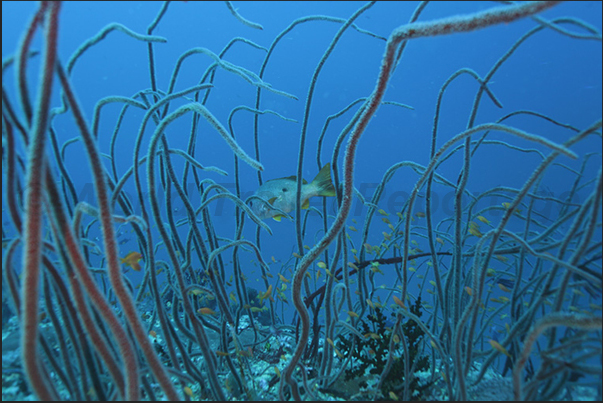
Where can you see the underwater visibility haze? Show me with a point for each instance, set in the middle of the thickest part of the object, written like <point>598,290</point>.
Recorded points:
<point>301,200</point>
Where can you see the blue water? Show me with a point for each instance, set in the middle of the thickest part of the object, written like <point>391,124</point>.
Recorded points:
<point>550,73</point>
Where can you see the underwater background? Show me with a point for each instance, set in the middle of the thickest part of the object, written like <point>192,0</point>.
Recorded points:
<point>430,290</point>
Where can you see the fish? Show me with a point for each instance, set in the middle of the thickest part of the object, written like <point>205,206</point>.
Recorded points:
<point>498,347</point>
<point>281,194</point>
<point>206,311</point>
<point>507,283</point>
<point>267,294</point>
<point>399,302</point>
<point>483,219</point>
<point>132,260</point>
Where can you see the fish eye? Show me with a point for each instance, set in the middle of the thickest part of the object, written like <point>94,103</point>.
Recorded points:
<point>284,189</point>
<point>251,203</point>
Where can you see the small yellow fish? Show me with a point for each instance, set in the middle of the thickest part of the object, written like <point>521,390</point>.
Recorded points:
<point>444,377</point>
<point>322,265</point>
<point>503,288</point>
<point>281,193</point>
<point>246,353</point>
<point>475,232</point>
<point>283,279</point>
<point>496,345</point>
<point>420,214</point>
<point>353,314</point>
<point>469,291</point>
<point>375,268</point>
<point>351,228</point>
<point>206,311</point>
<point>132,260</point>
<point>382,212</point>
<point>188,391</point>
<point>353,266</point>
<point>399,302</point>
<point>440,241</point>
<point>267,294</point>
<point>483,219</point>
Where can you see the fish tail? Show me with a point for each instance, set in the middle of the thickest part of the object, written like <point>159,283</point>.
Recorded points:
<point>323,183</point>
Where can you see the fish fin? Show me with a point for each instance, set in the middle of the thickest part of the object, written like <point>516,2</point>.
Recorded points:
<point>323,183</point>
<point>272,200</point>
<point>291,178</point>
<point>277,217</point>
<point>306,204</point>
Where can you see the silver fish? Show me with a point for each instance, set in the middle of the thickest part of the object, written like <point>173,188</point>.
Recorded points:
<point>280,194</point>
